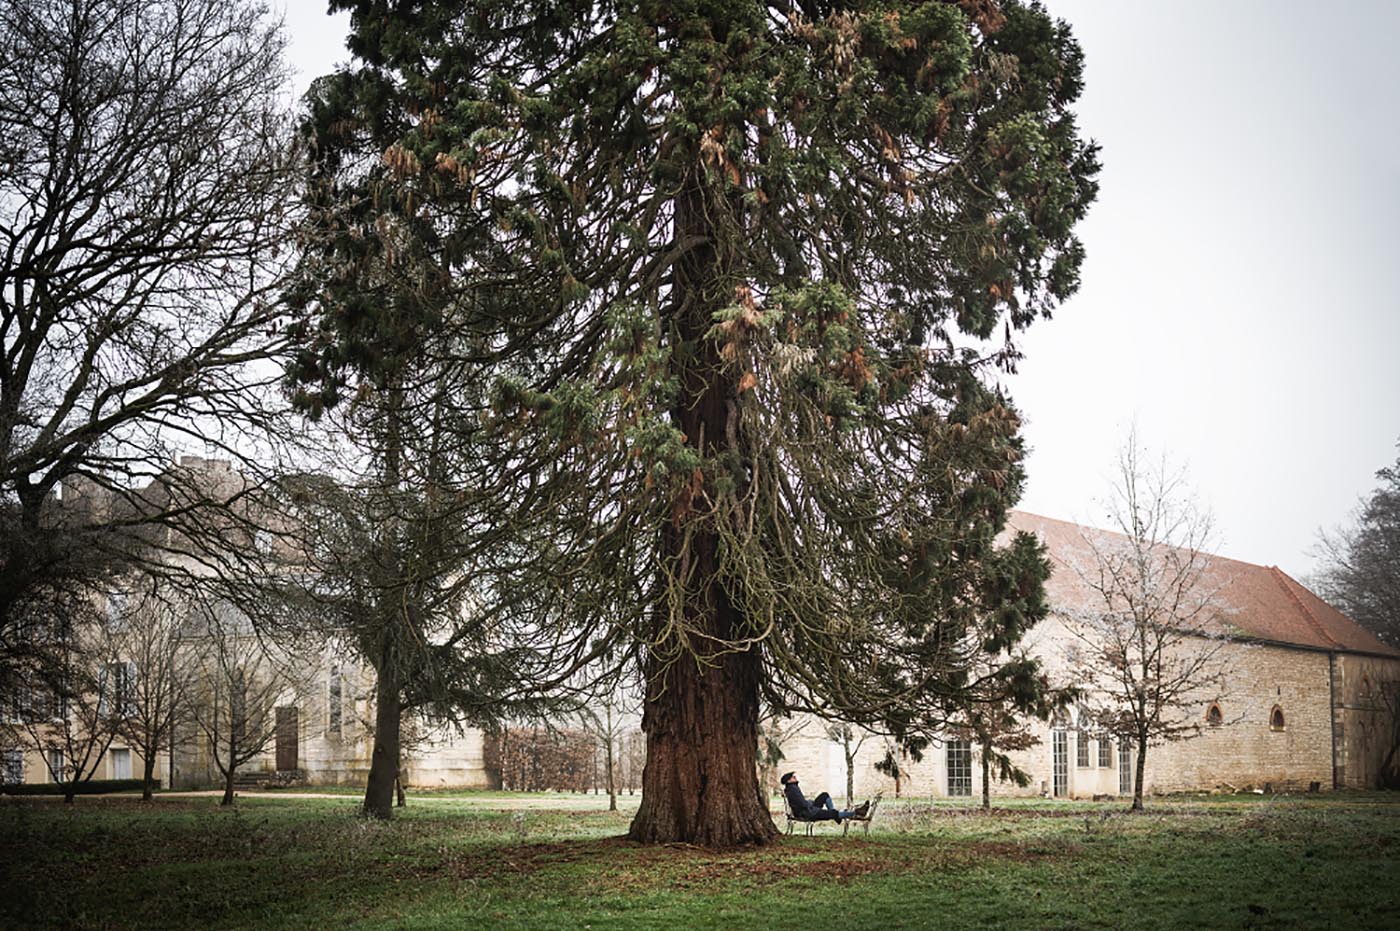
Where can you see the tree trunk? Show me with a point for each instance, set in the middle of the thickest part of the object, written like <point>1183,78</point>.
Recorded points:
<point>700,782</point>
<point>148,778</point>
<point>232,767</point>
<point>1140,770</point>
<point>986,777</point>
<point>384,761</point>
<point>850,768</point>
<point>68,794</point>
<point>388,692</point>
<point>608,762</point>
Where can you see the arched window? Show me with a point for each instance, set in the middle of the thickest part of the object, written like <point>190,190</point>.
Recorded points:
<point>1276,719</point>
<point>1214,716</point>
<point>1059,742</point>
<point>1081,740</point>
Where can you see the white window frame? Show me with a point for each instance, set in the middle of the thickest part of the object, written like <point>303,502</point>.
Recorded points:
<point>958,758</point>
<point>117,768</point>
<point>117,688</point>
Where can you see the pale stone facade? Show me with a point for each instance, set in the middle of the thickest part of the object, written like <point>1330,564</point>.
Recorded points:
<point>333,748</point>
<point>1291,714</point>
<point>1299,706</point>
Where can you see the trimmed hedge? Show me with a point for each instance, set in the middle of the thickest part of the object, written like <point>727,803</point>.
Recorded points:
<point>91,787</point>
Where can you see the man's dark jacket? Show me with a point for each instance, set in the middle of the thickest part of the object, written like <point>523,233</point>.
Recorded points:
<point>801,808</point>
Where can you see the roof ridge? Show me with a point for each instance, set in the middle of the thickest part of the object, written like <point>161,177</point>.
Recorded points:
<point>1213,557</point>
<point>1282,579</point>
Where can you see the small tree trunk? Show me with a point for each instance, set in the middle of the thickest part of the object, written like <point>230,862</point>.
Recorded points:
<point>986,777</point>
<point>232,768</point>
<point>850,769</point>
<point>148,778</point>
<point>69,792</point>
<point>1141,769</point>
<point>608,763</point>
<point>384,761</point>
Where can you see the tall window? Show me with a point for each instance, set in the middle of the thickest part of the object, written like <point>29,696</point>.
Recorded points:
<point>13,772</point>
<point>56,765</point>
<point>333,702</point>
<point>1125,768</point>
<point>1105,752</point>
<point>117,688</point>
<point>118,610</point>
<point>1276,719</point>
<point>121,764</point>
<point>959,767</point>
<point>1081,740</point>
<point>1059,738</point>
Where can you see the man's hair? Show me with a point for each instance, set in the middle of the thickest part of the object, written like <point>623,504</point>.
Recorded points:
<point>787,777</point>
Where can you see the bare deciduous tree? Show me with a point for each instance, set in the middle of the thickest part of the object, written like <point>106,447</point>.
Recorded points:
<point>607,718</point>
<point>1150,649</point>
<point>70,708</point>
<point>1360,562</point>
<point>144,168</point>
<point>1382,697</point>
<point>997,715</point>
<point>851,739</point>
<point>145,632</point>
<point>774,730</point>
<point>240,685</point>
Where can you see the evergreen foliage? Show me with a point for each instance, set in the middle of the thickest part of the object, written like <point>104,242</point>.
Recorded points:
<point>728,276</point>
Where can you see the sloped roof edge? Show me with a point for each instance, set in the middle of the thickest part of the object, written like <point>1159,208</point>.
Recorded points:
<point>1264,602</point>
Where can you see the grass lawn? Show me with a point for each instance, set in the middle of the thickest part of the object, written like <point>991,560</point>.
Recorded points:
<point>497,860</point>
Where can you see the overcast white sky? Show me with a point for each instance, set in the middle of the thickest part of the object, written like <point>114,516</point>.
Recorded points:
<point>1237,299</point>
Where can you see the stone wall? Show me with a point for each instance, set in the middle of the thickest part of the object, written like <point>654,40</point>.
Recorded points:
<point>1363,721</point>
<point>1245,751</point>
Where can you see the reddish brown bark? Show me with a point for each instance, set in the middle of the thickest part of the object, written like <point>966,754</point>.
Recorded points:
<point>700,783</point>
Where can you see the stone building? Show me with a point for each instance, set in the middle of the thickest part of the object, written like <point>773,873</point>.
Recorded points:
<point>321,734</point>
<point>317,718</point>
<point>1299,705</point>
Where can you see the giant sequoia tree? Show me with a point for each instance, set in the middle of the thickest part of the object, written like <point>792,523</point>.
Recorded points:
<point>728,275</point>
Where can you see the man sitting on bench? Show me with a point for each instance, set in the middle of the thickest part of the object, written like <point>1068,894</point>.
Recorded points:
<point>819,808</point>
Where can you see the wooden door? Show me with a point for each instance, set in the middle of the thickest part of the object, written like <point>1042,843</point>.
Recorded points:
<point>287,738</point>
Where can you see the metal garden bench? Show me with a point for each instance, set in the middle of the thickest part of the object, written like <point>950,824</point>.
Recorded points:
<point>793,819</point>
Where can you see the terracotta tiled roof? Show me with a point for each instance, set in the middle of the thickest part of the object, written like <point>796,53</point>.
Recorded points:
<point>1258,602</point>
